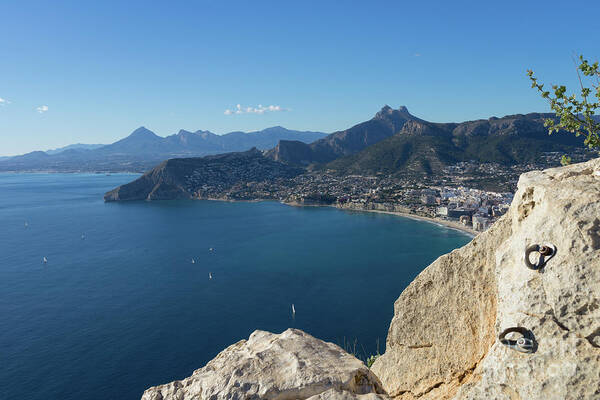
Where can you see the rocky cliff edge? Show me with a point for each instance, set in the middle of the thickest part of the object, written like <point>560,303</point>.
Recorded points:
<point>443,340</point>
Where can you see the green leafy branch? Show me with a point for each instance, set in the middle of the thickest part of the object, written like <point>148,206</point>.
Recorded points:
<point>575,113</point>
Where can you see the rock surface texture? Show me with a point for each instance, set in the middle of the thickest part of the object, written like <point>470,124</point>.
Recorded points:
<point>291,365</point>
<point>443,339</point>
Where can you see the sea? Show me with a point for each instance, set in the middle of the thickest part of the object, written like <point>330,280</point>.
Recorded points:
<point>125,299</point>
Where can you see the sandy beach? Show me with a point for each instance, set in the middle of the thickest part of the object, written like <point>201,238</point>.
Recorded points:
<point>450,224</point>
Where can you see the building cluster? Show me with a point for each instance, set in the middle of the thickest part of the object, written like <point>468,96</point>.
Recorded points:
<point>471,193</point>
<point>473,208</point>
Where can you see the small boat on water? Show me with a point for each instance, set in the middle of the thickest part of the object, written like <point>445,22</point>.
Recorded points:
<point>211,249</point>
<point>193,261</point>
<point>26,224</point>
<point>45,260</point>
<point>210,275</point>
<point>293,309</point>
<point>82,236</point>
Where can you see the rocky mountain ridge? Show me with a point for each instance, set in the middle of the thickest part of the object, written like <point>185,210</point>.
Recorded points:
<point>411,145</point>
<point>395,139</point>
<point>384,124</point>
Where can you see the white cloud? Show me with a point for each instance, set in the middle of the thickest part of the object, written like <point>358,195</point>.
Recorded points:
<point>260,109</point>
<point>42,109</point>
<point>3,101</point>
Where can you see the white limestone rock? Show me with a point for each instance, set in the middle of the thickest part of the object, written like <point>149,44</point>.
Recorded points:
<point>443,338</point>
<point>336,394</point>
<point>291,365</point>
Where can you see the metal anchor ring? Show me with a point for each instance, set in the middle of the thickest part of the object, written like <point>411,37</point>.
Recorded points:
<point>547,251</point>
<point>524,344</point>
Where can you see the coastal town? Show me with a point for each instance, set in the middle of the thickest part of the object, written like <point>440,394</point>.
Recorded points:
<point>467,195</point>
<point>473,209</point>
<point>444,199</point>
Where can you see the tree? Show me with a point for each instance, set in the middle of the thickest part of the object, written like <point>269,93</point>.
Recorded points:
<point>575,113</point>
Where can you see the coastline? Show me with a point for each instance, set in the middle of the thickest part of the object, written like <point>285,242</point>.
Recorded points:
<point>449,224</point>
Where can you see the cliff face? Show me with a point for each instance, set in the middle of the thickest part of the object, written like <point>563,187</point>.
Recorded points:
<point>443,340</point>
<point>166,181</point>
<point>448,339</point>
<point>291,152</point>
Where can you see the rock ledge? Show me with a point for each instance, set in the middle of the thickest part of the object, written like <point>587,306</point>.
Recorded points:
<point>291,365</point>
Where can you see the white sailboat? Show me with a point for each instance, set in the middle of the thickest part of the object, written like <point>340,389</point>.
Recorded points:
<point>293,309</point>
<point>193,261</point>
<point>210,275</point>
<point>211,249</point>
<point>45,260</point>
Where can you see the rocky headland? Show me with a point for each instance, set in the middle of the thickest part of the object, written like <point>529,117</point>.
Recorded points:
<point>536,272</point>
<point>185,178</point>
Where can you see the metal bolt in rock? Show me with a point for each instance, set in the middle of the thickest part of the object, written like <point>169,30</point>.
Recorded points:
<point>546,251</point>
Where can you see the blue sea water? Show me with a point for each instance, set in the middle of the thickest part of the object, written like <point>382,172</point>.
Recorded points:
<point>119,306</point>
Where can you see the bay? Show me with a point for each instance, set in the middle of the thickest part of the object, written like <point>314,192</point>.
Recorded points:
<point>120,306</point>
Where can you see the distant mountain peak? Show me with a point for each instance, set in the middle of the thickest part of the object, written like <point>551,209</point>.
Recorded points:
<point>142,131</point>
<point>275,128</point>
<point>387,112</point>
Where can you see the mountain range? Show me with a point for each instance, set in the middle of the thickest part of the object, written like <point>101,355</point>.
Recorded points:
<point>393,142</point>
<point>143,149</point>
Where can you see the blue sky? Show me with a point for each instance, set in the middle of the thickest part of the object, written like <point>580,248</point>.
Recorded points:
<point>91,72</point>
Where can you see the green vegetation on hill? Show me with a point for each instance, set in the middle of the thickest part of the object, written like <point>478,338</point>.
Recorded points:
<point>426,148</point>
<point>399,154</point>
